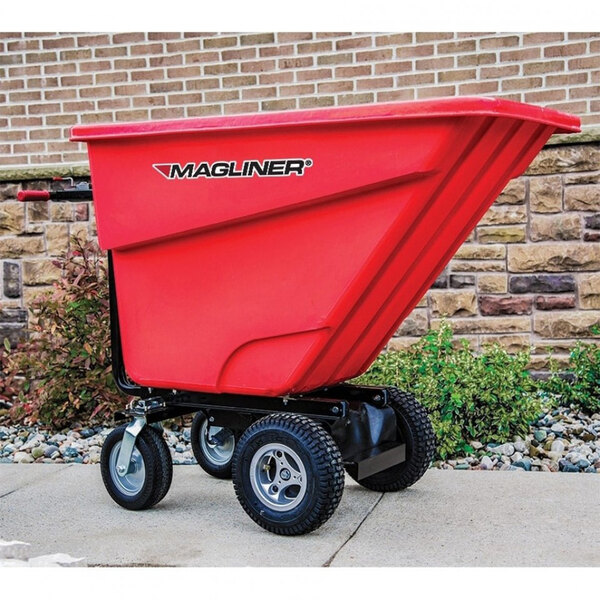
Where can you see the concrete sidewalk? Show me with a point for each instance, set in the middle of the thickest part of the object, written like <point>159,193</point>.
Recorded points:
<point>449,518</point>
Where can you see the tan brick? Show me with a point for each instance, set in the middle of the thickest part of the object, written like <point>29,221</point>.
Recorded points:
<point>396,39</point>
<point>357,71</point>
<point>374,55</point>
<point>547,66</point>
<point>395,95</point>
<point>201,57</point>
<point>277,77</point>
<point>505,41</point>
<point>436,92</point>
<point>293,36</point>
<point>545,194</point>
<point>458,47</point>
<point>287,104</point>
<point>374,83</point>
<point>57,238</point>
<point>432,36</point>
<point>221,69</point>
<point>433,64</point>
<point>393,67</point>
<point>589,290</point>
<point>316,101</point>
<point>238,54</point>
<point>558,257</point>
<point>258,66</point>
<point>204,110</point>
<point>460,303</point>
<point>499,72</point>
<point>142,49</point>
<point>415,51</point>
<point>511,343</point>
<point>415,324</point>
<point>565,50</point>
<point>480,252</point>
<point>504,215</point>
<point>356,42</point>
<point>15,247</point>
<point>513,193</point>
<point>171,112</point>
<point>521,83</point>
<point>566,324</point>
<point>348,99</point>
<point>12,218</point>
<point>298,90</point>
<point>313,74</point>
<point>512,324</point>
<point>239,81</point>
<point>582,197</point>
<point>260,92</point>
<point>508,234</point>
<point>518,55</point>
<point>478,59</point>
<point>329,87</point>
<point>542,38</point>
<point>257,38</point>
<point>282,50</point>
<point>468,266</point>
<point>458,75</point>
<point>127,38</point>
<point>241,107</point>
<point>220,42</point>
<point>295,63</point>
<point>559,227</point>
<point>492,283</point>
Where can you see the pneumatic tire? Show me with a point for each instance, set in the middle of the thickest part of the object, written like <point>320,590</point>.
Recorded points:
<point>288,474</point>
<point>415,430</point>
<point>214,455</point>
<point>150,472</point>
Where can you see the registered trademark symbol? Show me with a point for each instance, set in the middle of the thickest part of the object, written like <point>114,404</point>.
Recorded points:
<point>308,162</point>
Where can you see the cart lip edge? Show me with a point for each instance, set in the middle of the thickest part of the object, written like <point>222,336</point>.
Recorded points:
<point>459,106</point>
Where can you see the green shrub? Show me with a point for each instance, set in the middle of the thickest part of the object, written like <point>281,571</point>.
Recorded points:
<point>65,362</point>
<point>488,397</point>
<point>579,385</point>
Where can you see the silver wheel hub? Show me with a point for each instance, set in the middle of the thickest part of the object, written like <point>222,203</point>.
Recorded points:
<point>278,477</point>
<point>131,482</point>
<point>217,443</point>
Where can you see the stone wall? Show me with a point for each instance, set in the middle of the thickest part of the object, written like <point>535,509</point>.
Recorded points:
<point>529,275</point>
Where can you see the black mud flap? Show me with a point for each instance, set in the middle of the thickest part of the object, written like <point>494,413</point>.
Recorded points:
<point>368,440</point>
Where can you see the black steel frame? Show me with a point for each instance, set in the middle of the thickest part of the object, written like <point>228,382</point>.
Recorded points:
<point>338,407</point>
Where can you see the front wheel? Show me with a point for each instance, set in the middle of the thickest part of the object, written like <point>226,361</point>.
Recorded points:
<point>288,474</point>
<point>413,429</point>
<point>150,471</point>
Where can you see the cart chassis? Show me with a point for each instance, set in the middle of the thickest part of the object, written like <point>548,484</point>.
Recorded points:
<point>366,444</point>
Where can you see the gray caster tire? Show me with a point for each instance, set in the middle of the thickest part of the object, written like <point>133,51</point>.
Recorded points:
<point>213,447</point>
<point>150,473</point>
<point>288,474</point>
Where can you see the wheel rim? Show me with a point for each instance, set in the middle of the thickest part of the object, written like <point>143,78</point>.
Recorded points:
<point>278,477</point>
<point>218,453</point>
<point>132,482</point>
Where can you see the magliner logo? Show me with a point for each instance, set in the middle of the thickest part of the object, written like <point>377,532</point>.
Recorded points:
<point>272,167</point>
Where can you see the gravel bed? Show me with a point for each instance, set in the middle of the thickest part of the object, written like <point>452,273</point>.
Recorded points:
<point>561,440</point>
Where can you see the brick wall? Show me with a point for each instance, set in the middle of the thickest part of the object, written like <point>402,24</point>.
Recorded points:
<point>49,82</point>
<point>529,274</point>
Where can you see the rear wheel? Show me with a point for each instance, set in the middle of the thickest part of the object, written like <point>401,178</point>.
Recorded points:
<point>213,446</point>
<point>150,471</point>
<point>415,430</point>
<point>288,474</point>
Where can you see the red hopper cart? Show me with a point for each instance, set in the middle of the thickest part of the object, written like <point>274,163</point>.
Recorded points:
<point>257,262</point>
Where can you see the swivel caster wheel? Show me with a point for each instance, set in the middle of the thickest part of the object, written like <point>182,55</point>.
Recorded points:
<point>150,472</point>
<point>213,447</point>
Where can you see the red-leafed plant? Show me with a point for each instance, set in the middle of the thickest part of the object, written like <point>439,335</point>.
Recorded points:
<point>65,363</point>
